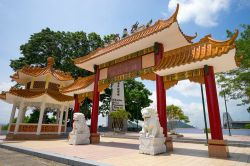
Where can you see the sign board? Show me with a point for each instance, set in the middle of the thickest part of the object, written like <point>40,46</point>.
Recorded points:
<point>117,97</point>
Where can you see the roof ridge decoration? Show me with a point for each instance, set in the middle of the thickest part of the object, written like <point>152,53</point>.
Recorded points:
<point>157,27</point>
<point>190,38</point>
<point>230,41</point>
<point>206,48</point>
<point>38,71</point>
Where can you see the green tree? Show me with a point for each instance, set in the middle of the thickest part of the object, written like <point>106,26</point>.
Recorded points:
<point>108,38</point>
<point>63,46</point>
<point>105,98</point>
<point>136,98</point>
<point>235,84</point>
<point>175,113</point>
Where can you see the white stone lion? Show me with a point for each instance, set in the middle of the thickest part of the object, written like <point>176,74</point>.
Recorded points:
<point>80,133</point>
<point>79,125</point>
<point>152,140</point>
<point>151,126</point>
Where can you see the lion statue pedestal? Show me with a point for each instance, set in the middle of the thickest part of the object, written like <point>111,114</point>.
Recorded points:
<point>80,133</point>
<point>152,140</point>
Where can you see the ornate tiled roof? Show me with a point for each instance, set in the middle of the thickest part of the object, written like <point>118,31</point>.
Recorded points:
<point>3,95</point>
<point>78,84</point>
<point>39,71</point>
<point>157,27</point>
<point>206,48</point>
<point>29,93</point>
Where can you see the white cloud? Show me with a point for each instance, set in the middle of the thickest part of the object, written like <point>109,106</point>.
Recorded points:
<point>5,107</point>
<point>188,88</point>
<point>202,12</point>
<point>193,109</point>
<point>5,86</point>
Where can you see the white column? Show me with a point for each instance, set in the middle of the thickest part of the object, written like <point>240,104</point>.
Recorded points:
<point>39,126</point>
<point>19,116</point>
<point>66,118</point>
<point>60,120</point>
<point>12,115</point>
<point>23,115</point>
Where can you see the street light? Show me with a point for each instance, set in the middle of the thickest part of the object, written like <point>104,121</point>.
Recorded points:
<point>137,126</point>
<point>204,112</point>
<point>225,101</point>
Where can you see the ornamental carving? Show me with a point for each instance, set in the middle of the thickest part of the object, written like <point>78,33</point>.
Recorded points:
<point>27,128</point>
<point>49,128</point>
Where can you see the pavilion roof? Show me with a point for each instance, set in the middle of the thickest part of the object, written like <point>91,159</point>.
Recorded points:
<point>205,49</point>
<point>80,83</point>
<point>157,27</point>
<point>29,93</point>
<point>40,71</point>
<point>3,96</point>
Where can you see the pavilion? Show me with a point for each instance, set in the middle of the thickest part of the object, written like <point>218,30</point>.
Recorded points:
<point>161,52</point>
<point>40,90</point>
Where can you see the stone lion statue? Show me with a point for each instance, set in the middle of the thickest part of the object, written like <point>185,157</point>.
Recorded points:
<point>151,126</point>
<point>80,133</point>
<point>79,125</point>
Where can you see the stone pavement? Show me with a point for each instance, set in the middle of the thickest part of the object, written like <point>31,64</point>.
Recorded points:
<point>118,151</point>
<point>135,135</point>
<point>12,158</point>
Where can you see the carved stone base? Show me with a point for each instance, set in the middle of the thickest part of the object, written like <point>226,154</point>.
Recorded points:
<point>94,138</point>
<point>152,146</point>
<point>218,148</point>
<point>79,139</point>
<point>169,144</point>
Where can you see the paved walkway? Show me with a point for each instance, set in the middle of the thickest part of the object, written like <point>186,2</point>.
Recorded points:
<point>124,152</point>
<point>12,158</point>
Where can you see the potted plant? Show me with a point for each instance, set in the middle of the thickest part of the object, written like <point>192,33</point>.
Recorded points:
<point>118,117</point>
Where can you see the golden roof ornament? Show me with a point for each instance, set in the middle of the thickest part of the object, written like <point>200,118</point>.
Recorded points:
<point>50,61</point>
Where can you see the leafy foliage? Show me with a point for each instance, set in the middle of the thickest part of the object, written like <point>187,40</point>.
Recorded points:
<point>63,46</point>
<point>118,117</point>
<point>136,98</point>
<point>236,83</point>
<point>175,113</point>
<point>247,126</point>
<point>105,98</point>
<point>120,114</point>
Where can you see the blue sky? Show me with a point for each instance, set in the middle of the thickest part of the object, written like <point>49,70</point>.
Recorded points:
<point>20,19</point>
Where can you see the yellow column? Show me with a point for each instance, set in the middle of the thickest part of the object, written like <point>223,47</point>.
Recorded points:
<point>32,83</point>
<point>48,77</point>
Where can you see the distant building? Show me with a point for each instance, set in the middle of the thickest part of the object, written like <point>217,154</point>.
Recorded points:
<point>227,119</point>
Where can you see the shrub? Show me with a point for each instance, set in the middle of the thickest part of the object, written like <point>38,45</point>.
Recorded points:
<point>118,117</point>
<point>247,126</point>
<point>208,130</point>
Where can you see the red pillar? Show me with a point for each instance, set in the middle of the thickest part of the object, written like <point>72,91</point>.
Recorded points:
<point>77,105</point>
<point>212,104</point>
<point>95,107</point>
<point>160,90</point>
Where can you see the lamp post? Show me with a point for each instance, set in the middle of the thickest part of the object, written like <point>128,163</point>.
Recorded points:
<point>134,102</point>
<point>228,125</point>
<point>204,112</point>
